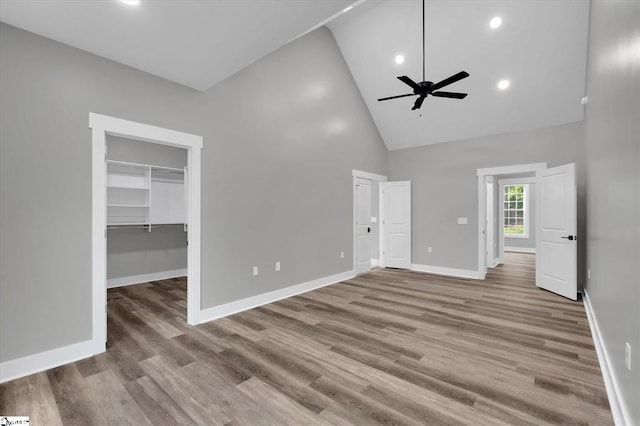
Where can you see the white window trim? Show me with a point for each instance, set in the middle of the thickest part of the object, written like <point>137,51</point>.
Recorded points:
<point>526,208</point>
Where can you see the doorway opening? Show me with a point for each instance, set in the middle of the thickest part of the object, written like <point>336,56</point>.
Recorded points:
<point>146,233</point>
<point>134,194</point>
<point>367,240</point>
<point>511,209</point>
<point>503,216</point>
<point>530,209</point>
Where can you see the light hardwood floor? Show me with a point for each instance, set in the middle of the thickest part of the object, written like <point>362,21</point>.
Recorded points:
<point>391,347</point>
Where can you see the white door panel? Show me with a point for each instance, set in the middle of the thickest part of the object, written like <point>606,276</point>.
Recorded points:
<point>397,224</point>
<point>556,252</point>
<point>363,225</point>
<point>490,221</point>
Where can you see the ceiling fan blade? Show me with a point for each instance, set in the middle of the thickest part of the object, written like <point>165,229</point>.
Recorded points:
<point>408,81</point>
<point>399,96</point>
<point>418,103</point>
<point>450,80</point>
<point>449,95</point>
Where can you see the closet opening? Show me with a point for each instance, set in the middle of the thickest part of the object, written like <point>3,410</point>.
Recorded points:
<point>146,227</point>
<point>146,234</point>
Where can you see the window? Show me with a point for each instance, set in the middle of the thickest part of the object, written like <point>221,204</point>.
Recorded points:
<point>516,220</point>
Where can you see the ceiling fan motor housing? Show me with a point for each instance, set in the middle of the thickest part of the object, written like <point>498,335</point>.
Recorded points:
<point>424,88</point>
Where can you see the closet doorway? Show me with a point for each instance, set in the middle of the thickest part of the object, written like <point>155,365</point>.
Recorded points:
<point>130,194</point>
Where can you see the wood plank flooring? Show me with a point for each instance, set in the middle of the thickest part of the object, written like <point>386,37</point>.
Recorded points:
<point>388,347</point>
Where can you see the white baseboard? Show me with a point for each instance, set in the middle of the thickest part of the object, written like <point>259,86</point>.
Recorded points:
<point>520,249</point>
<point>619,411</point>
<point>450,272</point>
<point>42,361</point>
<point>495,263</point>
<point>231,308</point>
<point>374,262</point>
<point>145,278</point>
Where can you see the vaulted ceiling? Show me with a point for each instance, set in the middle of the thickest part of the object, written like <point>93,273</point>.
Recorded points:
<point>540,48</point>
<point>197,43</point>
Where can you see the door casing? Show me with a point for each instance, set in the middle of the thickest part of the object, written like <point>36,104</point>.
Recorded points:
<point>101,126</point>
<point>482,203</point>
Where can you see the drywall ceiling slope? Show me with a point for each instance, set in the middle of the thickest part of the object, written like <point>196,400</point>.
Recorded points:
<point>191,42</point>
<point>541,48</point>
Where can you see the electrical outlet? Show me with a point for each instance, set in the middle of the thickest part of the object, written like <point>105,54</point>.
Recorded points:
<point>255,271</point>
<point>429,249</point>
<point>277,266</point>
<point>341,255</point>
<point>589,273</point>
<point>627,355</point>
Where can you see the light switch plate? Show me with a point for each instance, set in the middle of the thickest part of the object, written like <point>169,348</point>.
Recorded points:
<point>255,271</point>
<point>374,219</point>
<point>277,266</point>
<point>462,221</point>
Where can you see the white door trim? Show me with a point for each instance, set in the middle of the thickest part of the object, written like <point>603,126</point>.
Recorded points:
<point>101,126</point>
<point>482,200</point>
<point>507,170</point>
<point>369,176</point>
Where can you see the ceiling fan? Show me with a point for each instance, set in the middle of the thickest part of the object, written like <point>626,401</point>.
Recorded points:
<point>426,88</point>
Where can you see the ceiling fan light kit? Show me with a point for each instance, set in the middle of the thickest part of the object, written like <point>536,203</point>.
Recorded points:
<point>426,88</point>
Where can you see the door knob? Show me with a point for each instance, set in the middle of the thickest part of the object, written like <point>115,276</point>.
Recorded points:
<point>570,237</point>
<point>368,229</point>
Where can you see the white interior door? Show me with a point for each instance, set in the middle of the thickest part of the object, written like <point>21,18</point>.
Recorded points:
<point>362,225</point>
<point>556,251</point>
<point>397,224</point>
<point>490,222</point>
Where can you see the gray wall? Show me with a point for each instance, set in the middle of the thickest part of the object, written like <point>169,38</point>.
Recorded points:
<point>280,140</point>
<point>135,251</point>
<point>133,151</point>
<point>530,241</point>
<point>613,165</point>
<point>444,187</point>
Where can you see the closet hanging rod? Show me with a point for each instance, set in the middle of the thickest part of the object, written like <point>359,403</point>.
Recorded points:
<point>145,226</point>
<point>153,166</point>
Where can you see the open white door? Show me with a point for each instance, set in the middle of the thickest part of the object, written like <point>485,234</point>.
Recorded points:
<point>397,224</point>
<point>490,221</point>
<point>363,225</point>
<point>556,251</point>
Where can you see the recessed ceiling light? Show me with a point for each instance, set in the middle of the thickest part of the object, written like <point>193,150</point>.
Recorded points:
<point>131,2</point>
<point>346,9</point>
<point>495,22</point>
<point>503,84</point>
<point>399,59</point>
